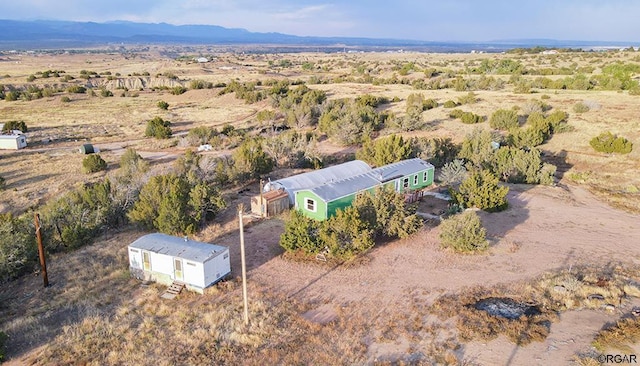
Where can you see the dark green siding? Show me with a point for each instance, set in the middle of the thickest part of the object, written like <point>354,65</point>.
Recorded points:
<point>339,204</point>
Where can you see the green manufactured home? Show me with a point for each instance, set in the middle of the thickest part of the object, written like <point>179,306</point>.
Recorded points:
<point>322,201</point>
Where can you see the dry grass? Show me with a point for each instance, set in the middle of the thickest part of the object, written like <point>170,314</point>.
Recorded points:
<point>619,336</point>
<point>477,324</point>
<point>551,294</point>
<point>95,314</point>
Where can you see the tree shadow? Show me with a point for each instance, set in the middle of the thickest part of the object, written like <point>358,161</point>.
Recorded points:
<point>558,159</point>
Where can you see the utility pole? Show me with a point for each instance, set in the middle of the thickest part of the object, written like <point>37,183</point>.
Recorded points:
<point>244,266</point>
<point>43,262</point>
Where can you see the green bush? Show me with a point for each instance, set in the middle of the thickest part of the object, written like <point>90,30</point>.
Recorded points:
<point>76,89</point>
<point>479,146</point>
<point>463,233</point>
<point>516,165</point>
<point>385,150</point>
<point>201,135</point>
<point>430,104</point>
<point>580,107</point>
<point>65,99</point>
<point>470,118</point>
<point>15,125</point>
<point>385,211</point>
<point>453,173</point>
<point>481,190</point>
<point>349,123</point>
<point>450,104</point>
<point>173,204</point>
<point>12,96</point>
<point>525,137</point>
<point>504,119</point>
<point>301,234</point>
<point>2,183</point>
<point>158,128</point>
<point>105,93</point>
<point>177,90</point>
<point>250,159</point>
<point>346,235</point>
<point>200,84</point>
<point>456,113</point>
<point>93,163</point>
<point>17,247</point>
<point>610,143</point>
<point>163,105</point>
<point>469,98</point>
<point>437,151</point>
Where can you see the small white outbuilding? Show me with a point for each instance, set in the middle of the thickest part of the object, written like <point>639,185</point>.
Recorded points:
<point>13,141</point>
<point>166,259</point>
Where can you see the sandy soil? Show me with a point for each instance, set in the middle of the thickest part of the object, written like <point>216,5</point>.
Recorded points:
<point>545,228</point>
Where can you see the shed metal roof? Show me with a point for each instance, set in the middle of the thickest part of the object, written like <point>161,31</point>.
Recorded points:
<point>354,184</point>
<point>178,247</point>
<point>318,177</point>
<point>11,137</point>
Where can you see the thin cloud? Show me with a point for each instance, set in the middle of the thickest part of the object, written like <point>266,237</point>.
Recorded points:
<point>302,13</point>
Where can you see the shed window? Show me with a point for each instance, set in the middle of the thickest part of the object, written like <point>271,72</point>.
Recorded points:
<point>405,182</point>
<point>134,250</point>
<point>415,180</point>
<point>310,204</point>
<point>146,261</point>
<point>191,264</point>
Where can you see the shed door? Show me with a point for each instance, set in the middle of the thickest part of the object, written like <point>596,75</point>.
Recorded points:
<point>177,269</point>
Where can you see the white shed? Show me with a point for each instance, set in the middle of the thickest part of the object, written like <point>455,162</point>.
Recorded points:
<point>165,259</point>
<point>13,142</point>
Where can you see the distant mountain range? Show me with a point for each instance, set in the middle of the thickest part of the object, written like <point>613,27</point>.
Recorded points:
<point>45,34</point>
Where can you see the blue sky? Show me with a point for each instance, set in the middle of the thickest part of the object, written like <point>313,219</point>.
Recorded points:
<point>444,20</point>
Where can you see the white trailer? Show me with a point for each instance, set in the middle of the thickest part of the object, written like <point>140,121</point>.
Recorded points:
<point>13,142</point>
<point>166,259</point>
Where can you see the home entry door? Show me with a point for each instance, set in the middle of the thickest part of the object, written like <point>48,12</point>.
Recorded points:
<point>177,269</point>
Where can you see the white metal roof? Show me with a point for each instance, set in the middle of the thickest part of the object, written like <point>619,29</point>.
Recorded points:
<point>11,137</point>
<point>318,177</point>
<point>350,185</point>
<point>178,247</point>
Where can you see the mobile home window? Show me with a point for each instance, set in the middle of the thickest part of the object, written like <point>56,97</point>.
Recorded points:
<point>415,180</point>
<point>426,176</point>
<point>405,182</point>
<point>310,204</point>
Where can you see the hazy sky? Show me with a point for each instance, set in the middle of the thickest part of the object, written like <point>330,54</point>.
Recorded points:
<point>443,20</point>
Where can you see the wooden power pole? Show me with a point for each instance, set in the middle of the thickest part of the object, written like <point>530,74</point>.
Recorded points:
<point>244,267</point>
<point>43,262</point>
